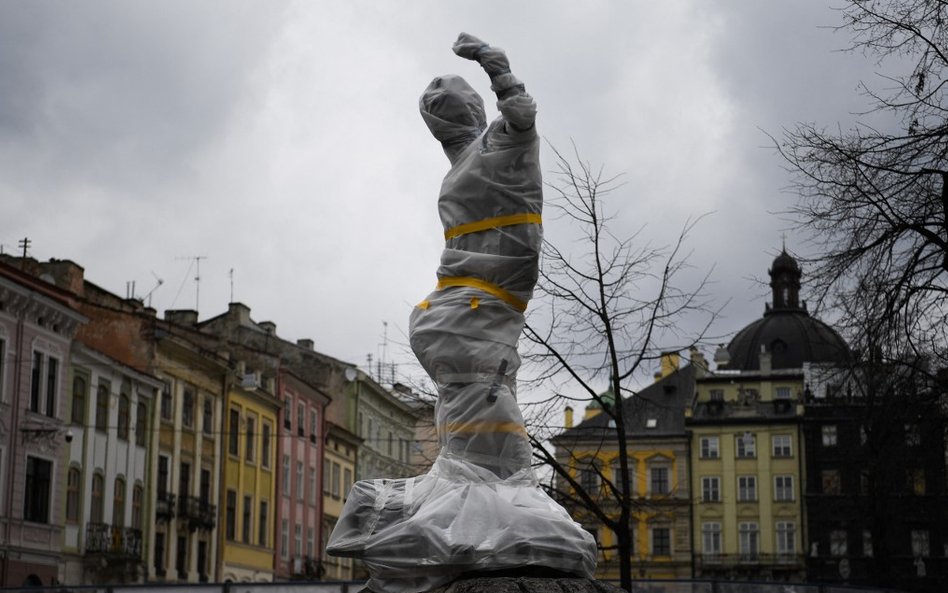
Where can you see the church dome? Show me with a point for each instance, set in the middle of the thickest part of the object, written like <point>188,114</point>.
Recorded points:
<point>787,331</point>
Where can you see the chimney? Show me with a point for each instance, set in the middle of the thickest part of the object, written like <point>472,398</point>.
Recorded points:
<point>239,312</point>
<point>268,326</point>
<point>305,343</point>
<point>568,413</point>
<point>66,275</point>
<point>186,317</point>
<point>766,362</point>
<point>670,362</point>
<point>699,362</point>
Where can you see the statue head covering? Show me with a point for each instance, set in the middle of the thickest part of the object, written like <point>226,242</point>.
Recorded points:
<point>454,113</point>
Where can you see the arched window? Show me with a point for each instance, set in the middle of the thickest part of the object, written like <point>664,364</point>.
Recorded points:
<point>97,509</point>
<point>73,480</point>
<point>102,407</point>
<point>124,415</point>
<point>79,389</point>
<point>118,508</point>
<point>137,494</point>
<point>141,423</point>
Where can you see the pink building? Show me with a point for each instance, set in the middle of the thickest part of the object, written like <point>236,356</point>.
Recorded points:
<point>37,325</point>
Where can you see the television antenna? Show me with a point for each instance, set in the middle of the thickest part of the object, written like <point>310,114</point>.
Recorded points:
<point>196,262</point>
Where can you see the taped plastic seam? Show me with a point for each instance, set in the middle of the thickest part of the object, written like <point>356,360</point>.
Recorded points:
<point>488,287</point>
<point>492,223</point>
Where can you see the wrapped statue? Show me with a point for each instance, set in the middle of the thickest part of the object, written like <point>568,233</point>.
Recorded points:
<point>479,508</point>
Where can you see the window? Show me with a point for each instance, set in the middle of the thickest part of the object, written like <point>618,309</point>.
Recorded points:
<point>181,560</point>
<point>786,538</point>
<point>102,406</point>
<point>916,481</point>
<point>36,382</point>
<point>867,543</point>
<point>248,438</point>
<point>204,488</point>
<point>187,407</point>
<point>141,423</point>
<point>262,524</point>
<point>299,480</point>
<point>137,494</point>
<point>286,475</point>
<point>80,387</point>
<point>346,481</point>
<point>913,437</point>
<point>921,546</point>
<point>312,485</point>
<point>748,540</point>
<point>124,415</point>
<point>97,510</point>
<point>73,479</point>
<point>233,433</point>
<point>336,486</point>
<point>783,488</point>
<point>207,422</point>
<point>659,480</point>
<point>159,553</point>
<point>710,448</point>
<point>828,433</point>
<point>52,372</point>
<point>298,540</point>
<point>118,502</point>
<point>783,393</point>
<point>162,486</point>
<point>838,544</point>
<point>746,488</point>
<point>661,541</point>
<point>781,445</point>
<point>327,470</point>
<point>287,410</point>
<point>711,539</point>
<point>300,417</point>
<point>166,403</point>
<point>265,445</point>
<point>711,489</point>
<point>313,425</point>
<point>310,541</point>
<point>831,481</point>
<point>745,445</point>
<point>184,479</point>
<point>231,515</point>
<point>247,523</point>
<point>284,539</point>
<point>717,395</point>
<point>589,476</point>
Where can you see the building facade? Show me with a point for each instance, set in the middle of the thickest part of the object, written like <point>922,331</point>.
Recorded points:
<point>37,326</point>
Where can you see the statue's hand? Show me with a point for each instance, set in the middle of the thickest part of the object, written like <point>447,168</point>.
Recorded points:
<point>467,46</point>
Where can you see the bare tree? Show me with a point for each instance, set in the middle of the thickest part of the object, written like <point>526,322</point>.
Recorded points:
<point>875,197</point>
<point>603,311</point>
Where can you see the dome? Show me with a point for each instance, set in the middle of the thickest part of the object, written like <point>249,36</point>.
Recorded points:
<point>786,332</point>
<point>791,338</point>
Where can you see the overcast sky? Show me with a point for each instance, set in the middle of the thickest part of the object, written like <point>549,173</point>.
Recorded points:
<point>282,140</point>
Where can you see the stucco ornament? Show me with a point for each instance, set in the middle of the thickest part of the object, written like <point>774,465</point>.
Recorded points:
<point>479,508</point>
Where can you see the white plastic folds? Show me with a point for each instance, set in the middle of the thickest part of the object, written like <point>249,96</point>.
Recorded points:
<point>479,508</point>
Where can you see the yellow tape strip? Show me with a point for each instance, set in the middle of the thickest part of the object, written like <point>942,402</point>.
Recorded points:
<point>491,289</point>
<point>492,223</point>
<point>483,426</point>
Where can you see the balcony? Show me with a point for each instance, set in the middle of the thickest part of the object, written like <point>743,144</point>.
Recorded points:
<point>114,542</point>
<point>199,513</point>
<point>711,562</point>
<point>164,507</point>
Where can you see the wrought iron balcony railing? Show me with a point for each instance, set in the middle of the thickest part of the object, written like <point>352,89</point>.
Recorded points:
<point>165,506</point>
<point>118,543</point>
<point>199,513</point>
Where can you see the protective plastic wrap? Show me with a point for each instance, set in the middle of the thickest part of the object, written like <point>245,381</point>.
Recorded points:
<point>479,508</point>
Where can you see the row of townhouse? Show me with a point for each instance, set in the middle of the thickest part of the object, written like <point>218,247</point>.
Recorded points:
<point>780,463</point>
<point>139,449</point>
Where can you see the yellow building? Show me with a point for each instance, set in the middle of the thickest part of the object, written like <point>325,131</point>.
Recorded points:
<point>746,446</point>
<point>658,471</point>
<point>339,466</point>
<point>249,478</point>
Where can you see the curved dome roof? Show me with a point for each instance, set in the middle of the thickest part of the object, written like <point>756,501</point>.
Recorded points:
<point>791,338</point>
<point>786,331</point>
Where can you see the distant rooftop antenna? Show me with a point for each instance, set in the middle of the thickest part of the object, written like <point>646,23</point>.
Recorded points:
<point>196,259</point>
<point>158,282</point>
<point>25,244</point>
<point>231,285</point>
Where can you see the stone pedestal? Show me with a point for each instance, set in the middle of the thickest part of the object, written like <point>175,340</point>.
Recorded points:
<point>526,584</point>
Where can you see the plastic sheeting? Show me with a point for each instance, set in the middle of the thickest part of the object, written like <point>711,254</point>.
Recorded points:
<point>479,508</point>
